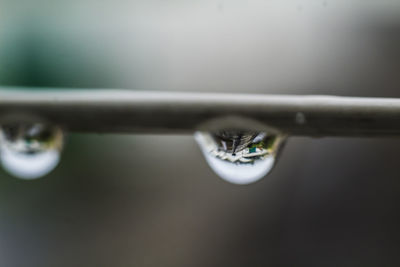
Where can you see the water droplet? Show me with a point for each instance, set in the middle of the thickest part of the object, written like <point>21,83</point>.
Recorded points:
<point>240,157</point>
<point>300,118</point>
<point>30,151</point>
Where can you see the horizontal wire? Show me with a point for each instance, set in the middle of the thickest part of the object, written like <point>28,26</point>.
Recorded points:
<point>124,111</point>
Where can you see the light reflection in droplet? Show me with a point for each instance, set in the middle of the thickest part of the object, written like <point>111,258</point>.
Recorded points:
<point>30,151</point>
<point>240,157</point>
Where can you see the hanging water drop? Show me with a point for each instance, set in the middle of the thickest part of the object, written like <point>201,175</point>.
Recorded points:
<point>240,157</point>
<point>30,151</point>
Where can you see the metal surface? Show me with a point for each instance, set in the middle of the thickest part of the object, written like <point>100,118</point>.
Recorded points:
<point>117,111</point>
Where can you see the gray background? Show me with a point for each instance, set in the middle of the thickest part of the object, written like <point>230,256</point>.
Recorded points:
<point>150,200</point>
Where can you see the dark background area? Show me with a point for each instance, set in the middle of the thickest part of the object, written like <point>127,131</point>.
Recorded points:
<point>151,200</point>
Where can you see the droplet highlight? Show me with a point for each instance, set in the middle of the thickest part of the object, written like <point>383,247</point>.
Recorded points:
<point>30,151</point>
<point>240,157</point>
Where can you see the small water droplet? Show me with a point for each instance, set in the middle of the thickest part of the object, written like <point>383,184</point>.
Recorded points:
<point>240,157</point>
<point>30,151</point>
<point>300,118</point>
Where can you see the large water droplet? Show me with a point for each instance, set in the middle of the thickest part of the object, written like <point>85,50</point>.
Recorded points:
<point>240,157</point>
<point>30,151</point>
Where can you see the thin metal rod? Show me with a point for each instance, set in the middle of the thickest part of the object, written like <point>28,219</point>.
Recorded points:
<point>116,111</point>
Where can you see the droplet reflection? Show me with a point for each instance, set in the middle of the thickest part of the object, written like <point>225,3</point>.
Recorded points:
<point>240,157</point>
<point>30,151</point>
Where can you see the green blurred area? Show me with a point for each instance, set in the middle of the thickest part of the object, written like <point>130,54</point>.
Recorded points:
<point>149,200</point>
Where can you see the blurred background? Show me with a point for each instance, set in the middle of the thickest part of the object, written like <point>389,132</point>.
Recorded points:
<point>151,200</point>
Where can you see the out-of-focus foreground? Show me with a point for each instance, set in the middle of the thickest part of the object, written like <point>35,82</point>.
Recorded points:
<point>146,200</point>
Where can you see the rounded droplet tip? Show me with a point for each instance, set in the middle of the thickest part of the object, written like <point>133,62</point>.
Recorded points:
<point>237,173</point>
<point>30,151</point>
<point>254,157</point>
